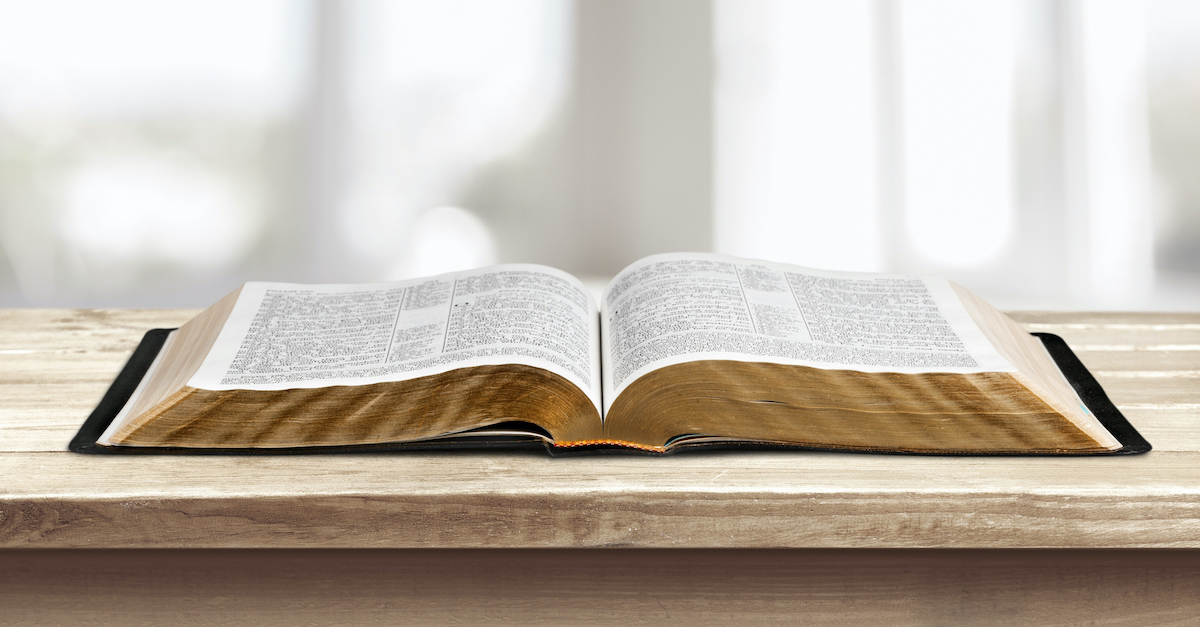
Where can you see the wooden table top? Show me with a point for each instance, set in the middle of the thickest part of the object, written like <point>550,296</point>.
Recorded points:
<point>56,364</point>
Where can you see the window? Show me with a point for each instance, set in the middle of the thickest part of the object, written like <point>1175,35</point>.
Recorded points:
<point>1042,152</point>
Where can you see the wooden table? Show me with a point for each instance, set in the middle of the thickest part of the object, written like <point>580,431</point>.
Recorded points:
<point>722,537</point>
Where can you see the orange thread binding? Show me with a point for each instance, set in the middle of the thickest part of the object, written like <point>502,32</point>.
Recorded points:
<point>644,447</point>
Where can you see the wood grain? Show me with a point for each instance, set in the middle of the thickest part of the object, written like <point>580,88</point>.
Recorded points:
<point>55,365</point>
<point>620,587</point>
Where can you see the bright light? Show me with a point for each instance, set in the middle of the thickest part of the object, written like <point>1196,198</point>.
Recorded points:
<point>1115,154</point>
<point>77,55</point>
<point>155,210</point>
<point>439,90</point>
<point>446,239</point>
<point>957,75</point>
<point>796,133</point>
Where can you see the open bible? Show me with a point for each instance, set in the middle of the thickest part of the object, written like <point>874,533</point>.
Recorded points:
<point>684,351</point>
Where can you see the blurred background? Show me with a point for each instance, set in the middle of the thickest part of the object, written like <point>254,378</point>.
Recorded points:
<point>1045,153</point>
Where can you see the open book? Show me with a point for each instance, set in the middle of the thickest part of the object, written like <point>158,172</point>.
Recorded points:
<point>684,351</point>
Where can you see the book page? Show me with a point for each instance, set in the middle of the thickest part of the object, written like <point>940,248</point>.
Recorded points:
<point>675,308</point>
<point>282,335</point>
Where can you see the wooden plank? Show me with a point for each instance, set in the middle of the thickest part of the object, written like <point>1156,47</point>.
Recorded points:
<point>96,329</point>
<point>1109,318</point>
<point>51,498</point>
<point>525,501</point>
<point>1145,389</point>
<point>1167,428</point>
<point>45,416</point>
<point>74,367</point>
<point>1113,328</point>
<point>861,587</point>
<point>1140,360</point>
